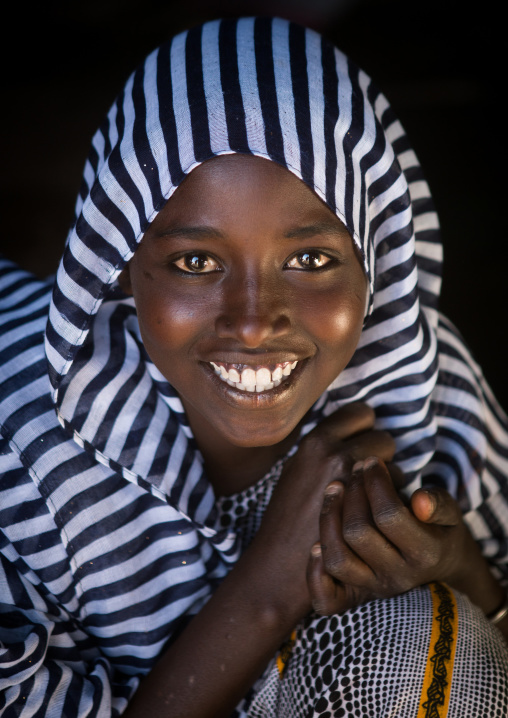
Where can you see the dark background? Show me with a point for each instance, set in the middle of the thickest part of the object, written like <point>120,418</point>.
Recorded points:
<point>439,64</point>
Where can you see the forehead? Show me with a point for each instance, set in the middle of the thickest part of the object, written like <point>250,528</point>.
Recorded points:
<point>245,188</point>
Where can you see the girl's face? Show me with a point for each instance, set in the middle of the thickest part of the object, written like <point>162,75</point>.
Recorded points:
<point>247,275</point>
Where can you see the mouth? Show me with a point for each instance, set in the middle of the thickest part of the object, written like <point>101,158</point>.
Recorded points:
<point>249,379</point>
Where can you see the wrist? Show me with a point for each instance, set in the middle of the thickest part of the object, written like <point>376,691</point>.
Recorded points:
<point>475,579</point>
<point>277,585</point>
<point>500,613</point>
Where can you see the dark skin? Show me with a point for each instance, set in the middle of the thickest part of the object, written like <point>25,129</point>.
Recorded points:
<point>240,232</point>
<point>246,267</point>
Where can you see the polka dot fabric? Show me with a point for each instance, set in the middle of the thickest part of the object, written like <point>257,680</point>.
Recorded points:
<point>243,511</point>
<point>370,662</point>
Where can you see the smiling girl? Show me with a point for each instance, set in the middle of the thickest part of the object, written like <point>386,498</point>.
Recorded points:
<point>250,470</point>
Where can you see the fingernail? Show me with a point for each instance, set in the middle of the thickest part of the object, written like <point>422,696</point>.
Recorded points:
<point>432,499</point>
<point>370,462</point>
<point>357,466</point>
<point>316,550</point>
<point>334,489</point>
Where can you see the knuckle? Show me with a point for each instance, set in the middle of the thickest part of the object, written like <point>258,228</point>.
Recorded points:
<point>336,563</point>
<point>342,463</point>
<point>362,416</point>
<point>390,517</point>
<point>387,440</point>
<point>426,557</point>
<point>364,411</point>
<point>385,436</point>
<point>357,533</point>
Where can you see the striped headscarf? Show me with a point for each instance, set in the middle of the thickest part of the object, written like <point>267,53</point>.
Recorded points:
<point>273,89</point>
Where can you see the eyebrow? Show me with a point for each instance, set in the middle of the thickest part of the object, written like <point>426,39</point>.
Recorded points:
<point>318,228</point>
<point>205,232</point>
<point>196,232</point>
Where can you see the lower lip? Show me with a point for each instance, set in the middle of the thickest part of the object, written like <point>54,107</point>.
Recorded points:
<point>256,399</point>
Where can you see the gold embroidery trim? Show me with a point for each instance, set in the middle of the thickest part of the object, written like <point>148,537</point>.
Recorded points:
<point>285,654</point>
<point>435,696</point>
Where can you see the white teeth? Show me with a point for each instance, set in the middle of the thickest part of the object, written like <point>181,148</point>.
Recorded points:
<point>234,376</point>
<point>263,376</point>
<point>264,387</point>
<point>252,380</point>
<point>249,377</point>
<point>277,374</point>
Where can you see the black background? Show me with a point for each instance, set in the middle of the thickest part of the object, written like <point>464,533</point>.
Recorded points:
<point>440,65</point>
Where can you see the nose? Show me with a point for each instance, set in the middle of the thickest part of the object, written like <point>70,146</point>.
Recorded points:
<point>253,313</point>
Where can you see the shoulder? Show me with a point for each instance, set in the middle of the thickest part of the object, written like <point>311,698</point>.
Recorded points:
<point>460,380</point>
<point>24,305</point>
<point>19,288</point>
<point>472,428</point>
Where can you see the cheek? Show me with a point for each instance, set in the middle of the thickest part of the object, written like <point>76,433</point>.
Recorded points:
<point>168,321</point>
<point>337,320</point>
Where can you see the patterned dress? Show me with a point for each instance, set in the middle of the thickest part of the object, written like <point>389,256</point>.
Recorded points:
<point>412,656</point>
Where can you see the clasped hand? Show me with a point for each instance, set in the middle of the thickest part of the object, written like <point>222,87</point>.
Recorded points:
<point>339,533</point>
<point>372,545</point>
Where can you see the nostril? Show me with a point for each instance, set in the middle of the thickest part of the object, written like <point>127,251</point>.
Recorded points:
<point>251,330</point>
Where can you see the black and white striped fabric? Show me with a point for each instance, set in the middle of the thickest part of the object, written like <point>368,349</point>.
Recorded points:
<point>111,536</point>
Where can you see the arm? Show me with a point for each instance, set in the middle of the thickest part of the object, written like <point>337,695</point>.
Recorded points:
<point>227,645</point>
<point>49,662</point>
<point>373,546</point>
<point>47,665</point>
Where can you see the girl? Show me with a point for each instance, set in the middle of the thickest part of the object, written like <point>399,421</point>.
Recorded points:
<point>250,461</point>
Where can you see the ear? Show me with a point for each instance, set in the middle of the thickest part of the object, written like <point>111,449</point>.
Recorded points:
<point>124,280</point>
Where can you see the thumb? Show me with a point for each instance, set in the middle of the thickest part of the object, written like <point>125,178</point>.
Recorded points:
<point>435,506</point>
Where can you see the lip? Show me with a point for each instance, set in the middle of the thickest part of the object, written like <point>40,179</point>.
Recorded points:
<point>264,399</point>
<point>248,378</point>
<point>254,359</point>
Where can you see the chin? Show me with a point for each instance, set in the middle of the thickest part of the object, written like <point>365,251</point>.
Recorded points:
<point>252,436</point>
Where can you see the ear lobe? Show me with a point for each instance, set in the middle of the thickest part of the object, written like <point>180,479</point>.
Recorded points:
<point>124,280</point>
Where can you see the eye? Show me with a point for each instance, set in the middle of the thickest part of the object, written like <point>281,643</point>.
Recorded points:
<point>310,259</point>
<point>196,263</point>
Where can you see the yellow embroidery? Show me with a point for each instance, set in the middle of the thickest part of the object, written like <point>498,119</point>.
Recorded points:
<point>443,642</point>
<point>285,654</point>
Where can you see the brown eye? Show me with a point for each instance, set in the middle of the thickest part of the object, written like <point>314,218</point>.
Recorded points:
<point>311,259</point>
<point>196,263</point>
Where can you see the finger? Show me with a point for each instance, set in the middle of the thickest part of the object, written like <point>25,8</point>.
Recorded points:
<point>396,474</point>
<point>358,448</point>
<point>347,421</point>
<point>372,443</point>
<point>326,594</point>
<point>435,506</point>
<point>360,531</point>
<point>392,518</point>
<point>339,560</point>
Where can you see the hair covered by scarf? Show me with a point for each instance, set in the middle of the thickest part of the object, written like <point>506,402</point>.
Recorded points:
<point>276,90</point>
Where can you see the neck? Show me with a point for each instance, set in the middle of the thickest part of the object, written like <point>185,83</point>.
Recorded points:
<point>230,468</point>
<point>241,468</point>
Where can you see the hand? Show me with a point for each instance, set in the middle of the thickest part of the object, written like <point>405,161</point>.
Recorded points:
<point>291,522</point>
<point>374,546</point>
